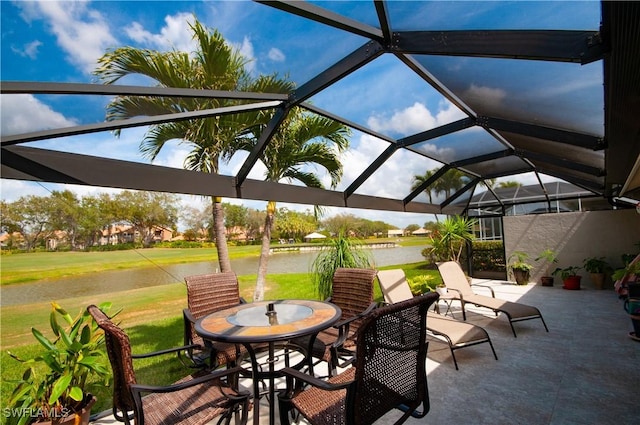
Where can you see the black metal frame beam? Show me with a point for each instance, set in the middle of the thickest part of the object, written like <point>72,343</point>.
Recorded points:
<point>561,162</point>
<point>63,167</point>
<point>459,193</point>
<point>265,137</point>
<point>38,87</point>
<point>346,122</point>
<point>443,130</point>
<point>324,16</point>
<point>423,73</point>
<point>547,45</point>
<point>133,122</point>
<point>547,133</point>
<point>426,184</point>
<point>377,163</point>
<point>350,63</point>
<point>383,18</point>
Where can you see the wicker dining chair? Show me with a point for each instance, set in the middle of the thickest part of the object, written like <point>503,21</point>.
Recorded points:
<point>352,291</point>
<point>206,294</point>
<point>195,399</point>
<point>389,373</point>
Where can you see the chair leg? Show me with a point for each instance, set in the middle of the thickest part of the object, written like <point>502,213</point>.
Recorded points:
<point>492,349</point>
<point>453,356</point>
<point>284,406</point>
<point>545,325</point>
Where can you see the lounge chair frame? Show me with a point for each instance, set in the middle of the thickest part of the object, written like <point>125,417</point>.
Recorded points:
<point>456,282</point>
<point>395,288</point>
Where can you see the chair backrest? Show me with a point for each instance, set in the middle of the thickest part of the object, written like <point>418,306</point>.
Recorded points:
<point>390,365</point>
<point>352,290</point>
<point>394,286</point>
<point>119,351</point>
<point>454,278</point>
<point>208,293</point>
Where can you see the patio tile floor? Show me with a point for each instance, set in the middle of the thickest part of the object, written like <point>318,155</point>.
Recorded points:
<point>586,370</point>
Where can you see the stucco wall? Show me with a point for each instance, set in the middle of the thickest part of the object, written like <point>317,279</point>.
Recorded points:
<point>574,236</point>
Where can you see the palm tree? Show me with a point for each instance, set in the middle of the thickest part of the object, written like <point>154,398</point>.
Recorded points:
<point>214,66</point>
<point>419,180</point>
<point>302,140</point>
<point>452,180</point>
<point>509,183</point>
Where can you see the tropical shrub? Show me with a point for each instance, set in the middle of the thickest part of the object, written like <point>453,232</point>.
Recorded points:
<point>340,251</point>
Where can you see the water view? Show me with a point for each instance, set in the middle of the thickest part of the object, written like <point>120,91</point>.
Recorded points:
<point>122,280</point>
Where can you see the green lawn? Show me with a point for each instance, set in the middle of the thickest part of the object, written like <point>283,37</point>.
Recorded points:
<point>151,316</point>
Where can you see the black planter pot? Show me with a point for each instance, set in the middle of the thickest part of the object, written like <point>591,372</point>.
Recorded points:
<point>546,280</point>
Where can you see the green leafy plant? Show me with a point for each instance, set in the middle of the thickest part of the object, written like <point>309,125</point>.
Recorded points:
<point>567,271</point>
<point>518,261</point>
<point>630,269</point>
<point>340,251</point>
<point>549,256</point>
<point>519,267</point>
<point>450,238</point>
<point>596,265</point>
<point>421,284</point>
<point>56,382</point>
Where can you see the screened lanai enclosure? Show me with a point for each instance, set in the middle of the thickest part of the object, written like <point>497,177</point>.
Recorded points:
<point>545,93</point>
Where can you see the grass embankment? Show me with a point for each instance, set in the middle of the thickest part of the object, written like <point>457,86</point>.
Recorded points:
<point>22,268</point>
<point>151,316</point>
<point>31,267</point>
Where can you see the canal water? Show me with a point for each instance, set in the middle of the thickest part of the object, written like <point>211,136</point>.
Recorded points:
<point>122,280</point>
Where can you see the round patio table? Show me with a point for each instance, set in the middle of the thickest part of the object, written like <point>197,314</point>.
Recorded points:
<point>269,322</point>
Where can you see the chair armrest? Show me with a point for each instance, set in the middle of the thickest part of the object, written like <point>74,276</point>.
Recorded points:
<point>368,310</point>
<point>493,294</point>
<point>458,296</point>
<point>166,351</point>
<point>343,326</point>
<point>186,313</point>
<point>313,381</point>
<point>139,389</point>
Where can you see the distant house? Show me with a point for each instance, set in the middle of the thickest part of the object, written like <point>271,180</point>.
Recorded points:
<point>421,232</point>
<point>120,233</point>
<point>392,233</point>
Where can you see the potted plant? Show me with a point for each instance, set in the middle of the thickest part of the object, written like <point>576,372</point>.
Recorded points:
<point>54,387</point>
<point>570,277</point>
<point>598,268</point>
<point>550,257</point>
<point>519,267</point>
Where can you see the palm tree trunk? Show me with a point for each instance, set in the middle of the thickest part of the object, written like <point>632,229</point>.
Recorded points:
<point>258,294</point>
<point>220,235</point>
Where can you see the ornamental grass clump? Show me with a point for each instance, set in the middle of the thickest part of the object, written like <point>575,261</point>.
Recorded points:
<point>340,251</point>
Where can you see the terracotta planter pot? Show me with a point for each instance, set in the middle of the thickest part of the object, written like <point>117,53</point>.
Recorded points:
<point>521,276</point>
<point>598,280</point>
<point>80,418</point>
<point>572,283</point>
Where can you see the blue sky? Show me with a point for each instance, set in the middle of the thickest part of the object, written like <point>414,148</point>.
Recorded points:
<point>53,41</point>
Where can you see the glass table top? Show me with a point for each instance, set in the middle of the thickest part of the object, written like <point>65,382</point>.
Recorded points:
<point>270,315</point>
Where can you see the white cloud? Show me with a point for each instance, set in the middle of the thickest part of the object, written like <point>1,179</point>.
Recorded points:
<point>246,50</point>
<point>29,50</point>
<point>23,113</point>
<point>276,55</point>
<point>80,31</point>
<point>490,97</point>
<point>176,34</point>
<point>415,118</point>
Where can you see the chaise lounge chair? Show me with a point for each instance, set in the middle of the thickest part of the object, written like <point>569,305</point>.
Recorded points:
<point>456,282</point>
<point>457,334</point>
